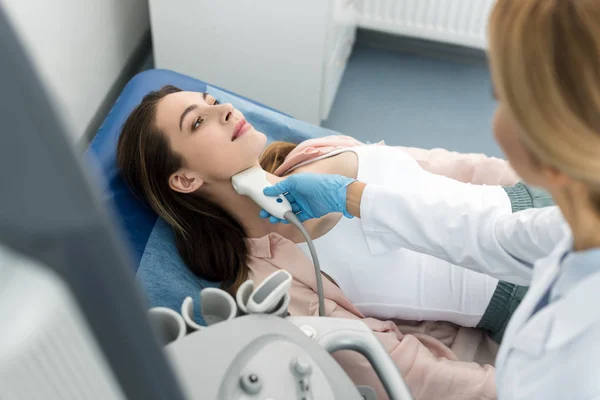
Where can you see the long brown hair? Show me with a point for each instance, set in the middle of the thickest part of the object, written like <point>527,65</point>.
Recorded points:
<point>545,60</point>
<point>210,241</point>
<point>274,155</point>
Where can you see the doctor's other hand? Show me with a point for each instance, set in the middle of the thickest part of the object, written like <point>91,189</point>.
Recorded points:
<point>312,195</point>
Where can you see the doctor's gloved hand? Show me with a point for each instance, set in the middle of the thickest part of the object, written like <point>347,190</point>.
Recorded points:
<point>312,195</point>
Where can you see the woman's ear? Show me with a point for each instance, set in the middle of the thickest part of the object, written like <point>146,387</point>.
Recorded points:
<point>555,177</point>
<point>184,181</point>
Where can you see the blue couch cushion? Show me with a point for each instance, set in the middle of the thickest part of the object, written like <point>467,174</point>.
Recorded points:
<point>134,215</point>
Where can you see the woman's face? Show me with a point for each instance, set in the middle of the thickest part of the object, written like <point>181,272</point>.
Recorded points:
<point>214,139</point>
<point>506,133</point>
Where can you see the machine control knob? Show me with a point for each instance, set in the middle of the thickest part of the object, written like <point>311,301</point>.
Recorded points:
<point>309,331</point>
<point>304,385</point>
<point>367,392</point>
<point>300,367</point>
<point>251,383</point>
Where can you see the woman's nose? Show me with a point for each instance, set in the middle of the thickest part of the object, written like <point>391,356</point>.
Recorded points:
<point>226,112</point>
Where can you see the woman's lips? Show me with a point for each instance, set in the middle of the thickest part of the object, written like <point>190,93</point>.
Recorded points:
<point>240,128</point>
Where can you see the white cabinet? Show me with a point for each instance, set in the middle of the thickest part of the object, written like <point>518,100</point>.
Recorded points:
<point>287,54</point>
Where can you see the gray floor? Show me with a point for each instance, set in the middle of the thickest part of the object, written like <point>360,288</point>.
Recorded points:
<point>410,100</point>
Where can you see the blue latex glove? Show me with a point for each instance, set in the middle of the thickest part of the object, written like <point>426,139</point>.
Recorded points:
<point>311,195</point>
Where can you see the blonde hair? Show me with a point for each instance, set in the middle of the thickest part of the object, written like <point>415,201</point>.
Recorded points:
<point>545,62</point>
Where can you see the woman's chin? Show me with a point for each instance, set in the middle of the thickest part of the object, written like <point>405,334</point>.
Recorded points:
<point>245,166</point>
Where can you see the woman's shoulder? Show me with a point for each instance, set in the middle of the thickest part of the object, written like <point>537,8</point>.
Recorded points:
<point>312,150</point>
<point>331,141</point>
<point>344,163</point>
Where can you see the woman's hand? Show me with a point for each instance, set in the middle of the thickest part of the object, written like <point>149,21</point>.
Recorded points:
<point>312,195</point>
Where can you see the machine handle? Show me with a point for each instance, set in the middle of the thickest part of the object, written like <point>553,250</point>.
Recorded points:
<point>368,345</point>
<point>336,334</point>
<point>251,183</point>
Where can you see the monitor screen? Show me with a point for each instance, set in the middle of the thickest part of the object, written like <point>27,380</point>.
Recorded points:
<point>49,211</point>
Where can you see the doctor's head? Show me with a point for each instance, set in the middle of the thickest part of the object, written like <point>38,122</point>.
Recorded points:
<point>174,148</point>
<point>545,64</point>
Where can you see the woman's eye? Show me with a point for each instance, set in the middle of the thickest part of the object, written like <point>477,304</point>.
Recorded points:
<point>197,122</point>
<point>216,103</point>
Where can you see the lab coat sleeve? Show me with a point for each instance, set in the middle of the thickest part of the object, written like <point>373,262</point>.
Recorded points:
<point>467,225</point>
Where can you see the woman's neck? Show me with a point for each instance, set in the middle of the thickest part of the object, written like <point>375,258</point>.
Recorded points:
<point>582,216</point>
<point>245,210</point>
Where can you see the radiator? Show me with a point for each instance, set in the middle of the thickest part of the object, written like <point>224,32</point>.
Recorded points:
<point>461,22</point>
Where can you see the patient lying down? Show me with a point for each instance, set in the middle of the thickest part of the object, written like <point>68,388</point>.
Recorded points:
<point>179,150</point>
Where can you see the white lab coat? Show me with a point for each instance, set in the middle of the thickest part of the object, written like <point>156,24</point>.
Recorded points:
<point>553,355</point>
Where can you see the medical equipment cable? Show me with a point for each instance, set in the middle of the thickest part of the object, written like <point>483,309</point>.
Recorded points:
<point>252,182</point>
<point>293,219</point>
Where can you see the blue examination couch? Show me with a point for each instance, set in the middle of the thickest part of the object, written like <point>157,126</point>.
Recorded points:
<point>156,263</point>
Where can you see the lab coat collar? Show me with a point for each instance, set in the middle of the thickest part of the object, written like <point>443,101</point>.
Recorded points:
<point>575,268</point>
<point>563,320</point>
<point>575,312</point>
<point>526,332</point>
<point>530,332</point>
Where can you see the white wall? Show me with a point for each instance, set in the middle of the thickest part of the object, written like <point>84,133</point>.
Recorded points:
<point>79,48</point>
